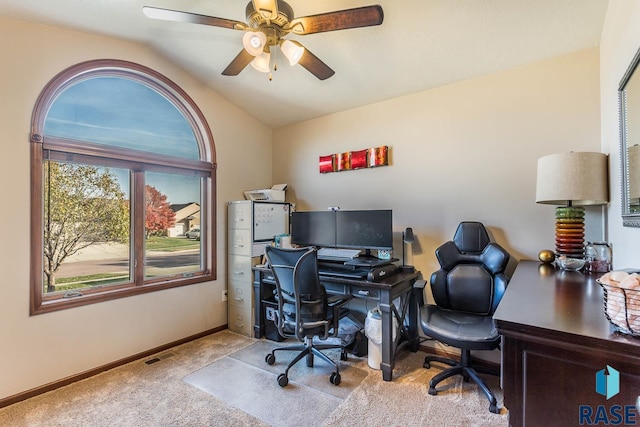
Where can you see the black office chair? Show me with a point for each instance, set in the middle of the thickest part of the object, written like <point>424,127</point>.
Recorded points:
<point>467,289</point>
<point>304,309</point>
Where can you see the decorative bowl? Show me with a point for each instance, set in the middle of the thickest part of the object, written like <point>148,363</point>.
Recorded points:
<point>573,264</point>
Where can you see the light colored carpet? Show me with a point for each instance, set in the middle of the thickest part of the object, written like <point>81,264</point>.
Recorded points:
<point>138,394</point>
<point>255,391</point>
<point>245,381</point>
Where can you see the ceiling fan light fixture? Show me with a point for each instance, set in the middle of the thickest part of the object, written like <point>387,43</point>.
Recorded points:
<point>262,62</point>
<point>254,42</point>
<point>292,50</point>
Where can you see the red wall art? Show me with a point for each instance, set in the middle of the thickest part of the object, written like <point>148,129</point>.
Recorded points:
<point>351,160</point>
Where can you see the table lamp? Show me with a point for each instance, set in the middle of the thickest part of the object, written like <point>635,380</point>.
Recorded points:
<point>572,180</point>
<point>407,237</point>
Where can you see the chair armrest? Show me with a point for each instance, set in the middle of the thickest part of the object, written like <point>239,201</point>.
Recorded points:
<point>336,304</point>
<point>338,299</point>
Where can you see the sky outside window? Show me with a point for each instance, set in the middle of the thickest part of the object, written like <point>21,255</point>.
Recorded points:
<point>124,113</point>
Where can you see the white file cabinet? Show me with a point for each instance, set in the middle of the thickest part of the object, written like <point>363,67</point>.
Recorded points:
<point>247,221</point>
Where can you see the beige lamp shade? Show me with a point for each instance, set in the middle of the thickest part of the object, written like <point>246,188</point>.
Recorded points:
<point>292,50</point>
<point>262,62</point>
<point>572,180</point>
<point>575,178</point>
<point>633,157</point>
<point>254,42</point>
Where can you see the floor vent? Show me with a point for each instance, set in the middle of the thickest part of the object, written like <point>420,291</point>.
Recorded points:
<point>159,357</point>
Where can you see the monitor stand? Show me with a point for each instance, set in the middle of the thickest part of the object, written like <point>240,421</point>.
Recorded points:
<point>368,260</point>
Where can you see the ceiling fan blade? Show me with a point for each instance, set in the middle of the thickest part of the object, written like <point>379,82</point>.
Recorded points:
<point>267,8</point>
<point>192,18</point>
<point>315,66</point>
<point>366,16</point>
<point>241,60</point>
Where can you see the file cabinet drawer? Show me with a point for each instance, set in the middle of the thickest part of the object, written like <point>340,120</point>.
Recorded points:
<point>240,294</point>
<point>240,268</point>
<point>240,320</point>
<point>240,242</point>
<point>240,215</point>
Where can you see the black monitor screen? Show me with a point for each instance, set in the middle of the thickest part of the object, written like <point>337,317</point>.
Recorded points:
<point>313,228</point>
<point>367,229</point>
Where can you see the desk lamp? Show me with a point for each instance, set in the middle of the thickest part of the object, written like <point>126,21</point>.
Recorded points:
<point>407,237</point>
<point>572,180</point>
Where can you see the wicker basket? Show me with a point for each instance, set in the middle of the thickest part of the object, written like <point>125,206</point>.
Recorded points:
<point>622,308</point>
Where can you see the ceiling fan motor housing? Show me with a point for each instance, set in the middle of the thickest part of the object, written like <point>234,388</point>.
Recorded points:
<point>255,19</point>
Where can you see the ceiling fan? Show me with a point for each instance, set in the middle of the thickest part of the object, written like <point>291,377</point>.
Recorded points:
<point>268,22</point>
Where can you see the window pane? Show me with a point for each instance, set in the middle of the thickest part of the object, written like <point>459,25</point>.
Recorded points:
<point>172,225</point>
<point>86,226</point>
<point>122,113</point>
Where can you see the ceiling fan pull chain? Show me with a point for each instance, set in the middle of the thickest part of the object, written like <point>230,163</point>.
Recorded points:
<point>275,59</point>
<point>275,63</point>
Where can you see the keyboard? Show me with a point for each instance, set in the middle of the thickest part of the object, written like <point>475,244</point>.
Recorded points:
<point>343,272</point>
<point>364,261</point>
<point>335,254</point>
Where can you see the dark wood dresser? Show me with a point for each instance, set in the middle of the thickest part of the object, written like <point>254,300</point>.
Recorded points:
<point>555,340</point>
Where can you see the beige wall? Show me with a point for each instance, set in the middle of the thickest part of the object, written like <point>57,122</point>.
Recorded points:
<point>620,41</point>
<point>466,151</point>
<point>40,349</point>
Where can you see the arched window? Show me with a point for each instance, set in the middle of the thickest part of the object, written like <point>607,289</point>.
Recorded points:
<point>123,187</point>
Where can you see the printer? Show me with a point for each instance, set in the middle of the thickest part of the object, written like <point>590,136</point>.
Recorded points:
<point>273,194</point>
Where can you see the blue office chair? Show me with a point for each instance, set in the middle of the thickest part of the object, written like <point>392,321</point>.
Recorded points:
<point>304,309</point>
<point>474,273</point>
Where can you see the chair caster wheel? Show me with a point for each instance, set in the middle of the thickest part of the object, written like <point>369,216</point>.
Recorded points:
<point>335,378</point>
<point>426,365</point>
<point>432,391</point>
<point>283,380</point>
<point>494,409</point>
<point>343,355</point>
<point>270,359</point>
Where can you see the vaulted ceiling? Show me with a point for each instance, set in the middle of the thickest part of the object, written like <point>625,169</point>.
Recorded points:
<point>420,45</point>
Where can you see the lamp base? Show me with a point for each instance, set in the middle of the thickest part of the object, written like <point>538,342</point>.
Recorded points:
<point>570,231</point>
<point>406,269</point>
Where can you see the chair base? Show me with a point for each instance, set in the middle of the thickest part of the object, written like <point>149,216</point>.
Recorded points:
<point>464,368</point>
<point>308,350</point>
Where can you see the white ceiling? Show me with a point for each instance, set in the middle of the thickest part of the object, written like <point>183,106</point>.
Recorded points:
<point>420,45</point>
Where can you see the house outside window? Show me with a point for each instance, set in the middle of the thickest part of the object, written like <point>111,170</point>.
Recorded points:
<point>123,187</point>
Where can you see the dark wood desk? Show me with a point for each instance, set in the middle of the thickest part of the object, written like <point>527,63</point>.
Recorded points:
<point>555,339</point>
<point>383,293</point>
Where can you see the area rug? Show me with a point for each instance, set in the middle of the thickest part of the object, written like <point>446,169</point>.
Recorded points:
<point>245,381</point>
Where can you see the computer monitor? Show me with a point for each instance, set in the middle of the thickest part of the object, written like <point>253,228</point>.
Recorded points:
<point>364,229</point>
<point>313,228</point>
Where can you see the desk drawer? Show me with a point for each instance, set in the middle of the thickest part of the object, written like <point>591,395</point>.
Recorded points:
<point>336,288</point>
<point>365,292</point>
